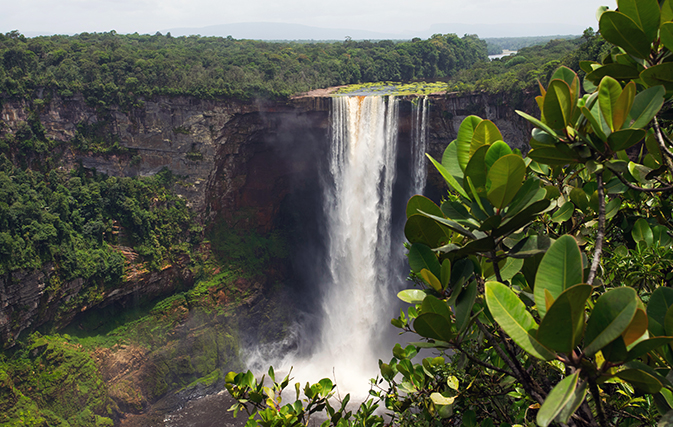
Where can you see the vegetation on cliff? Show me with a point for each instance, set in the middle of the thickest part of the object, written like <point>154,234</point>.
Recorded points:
<point>84,225</point>
<point>110,68</point>
<point>79,221</point>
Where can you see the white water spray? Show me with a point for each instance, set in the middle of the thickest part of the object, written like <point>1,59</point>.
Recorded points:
<point>419,143</point>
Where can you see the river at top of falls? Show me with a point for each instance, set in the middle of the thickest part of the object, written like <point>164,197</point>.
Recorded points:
<point>365,263</point>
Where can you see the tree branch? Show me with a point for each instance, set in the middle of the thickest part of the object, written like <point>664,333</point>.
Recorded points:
<point>482,363</point>
<point>519,374</point>
<point>601,230</point>
<point>595,393</point>
<point>496,267</point>
<point>645,190</point>
<point>662,138</point>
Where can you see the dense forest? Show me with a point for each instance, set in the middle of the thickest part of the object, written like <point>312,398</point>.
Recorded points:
<point>497,44</point>
<point>110,68</point>
<point>519,73</point>
<point>83,223</point>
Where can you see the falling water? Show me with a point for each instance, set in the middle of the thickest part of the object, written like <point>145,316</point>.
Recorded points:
<point>358,207</point>
<point>419,142</point>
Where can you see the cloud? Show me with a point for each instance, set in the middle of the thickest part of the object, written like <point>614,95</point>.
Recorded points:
<point>393,16</point>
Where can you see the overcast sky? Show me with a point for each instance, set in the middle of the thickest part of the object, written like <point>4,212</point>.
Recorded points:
<point>388,16</point>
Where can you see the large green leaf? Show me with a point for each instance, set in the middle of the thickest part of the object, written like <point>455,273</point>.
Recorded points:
<point>580,198</point>
<point>660,301</point>
<point>452,225</point>
<point>637,327</point>
<point>461,272</point>
<point>616,71</point>
<point>433,304</point>
<point>622,31</point>
<point>431,280</point>
<point>645,13</point>
<point>639,172</point>
<point>646,105</point>
<point>464,305</point>
<point>521,219</point>
<point>660,74</point>
<point>642,231</point>
<point>625,138</point>
<point>417,202</point>
<point>589,66</point>
<point>421,229</point>
<point>661,236</point>
<point>563,325</point>
<point>668,322</point>
<point>574,403</point>
<point>476,169</point>
<point>564,213</point>
<point>464,139</point>
<point>530,246</point>
<point>433,325</point>
<point>615,351</point>
<point>504,180</point>
<point>446,273</point>
<point>412,296</point>
<point>450,180</point>
<point>666,32</point>
<point>623,105</point>
<point>610,317</point>
<point>595,124</point>
<point>497,150</point>
<point>560,268</point>
<point>561,395</point>
<point>486,133</point>
<point>450,161</point>
<point>484,244</point>
<point>646,346</point>
<point>552,156</point>
<point>457,212</point>
<point>529,193</point>
<point>641,378</point>
<point>420,257</point>
<point>511,314</point>
<point>567,75</point>
<point>558,104</point>
<point>539,124</point>
<point>543,138</point>
<point>609,92</point>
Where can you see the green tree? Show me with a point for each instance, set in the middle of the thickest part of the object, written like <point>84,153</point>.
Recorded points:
<point>533,323</point>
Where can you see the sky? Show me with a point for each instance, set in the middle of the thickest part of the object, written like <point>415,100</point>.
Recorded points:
<point>385,16</point>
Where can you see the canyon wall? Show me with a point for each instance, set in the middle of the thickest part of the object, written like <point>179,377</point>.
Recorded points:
<point>237,161</point>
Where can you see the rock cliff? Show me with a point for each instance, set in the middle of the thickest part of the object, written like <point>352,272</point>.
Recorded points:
<point>232,157</point>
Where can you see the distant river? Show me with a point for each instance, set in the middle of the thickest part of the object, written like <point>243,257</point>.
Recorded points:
<point>501,55</point>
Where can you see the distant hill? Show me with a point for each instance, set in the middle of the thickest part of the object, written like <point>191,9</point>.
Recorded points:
<point>281,31</point>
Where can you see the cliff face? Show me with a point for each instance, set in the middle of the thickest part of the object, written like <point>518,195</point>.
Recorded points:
<point>237,161</point>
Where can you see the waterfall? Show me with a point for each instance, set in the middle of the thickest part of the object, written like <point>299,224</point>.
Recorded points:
<point>419,142</point>
<point>358,209</point>
<point>364,263</point>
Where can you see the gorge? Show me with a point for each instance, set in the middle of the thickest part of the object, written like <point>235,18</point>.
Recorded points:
<point>253,166</point>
